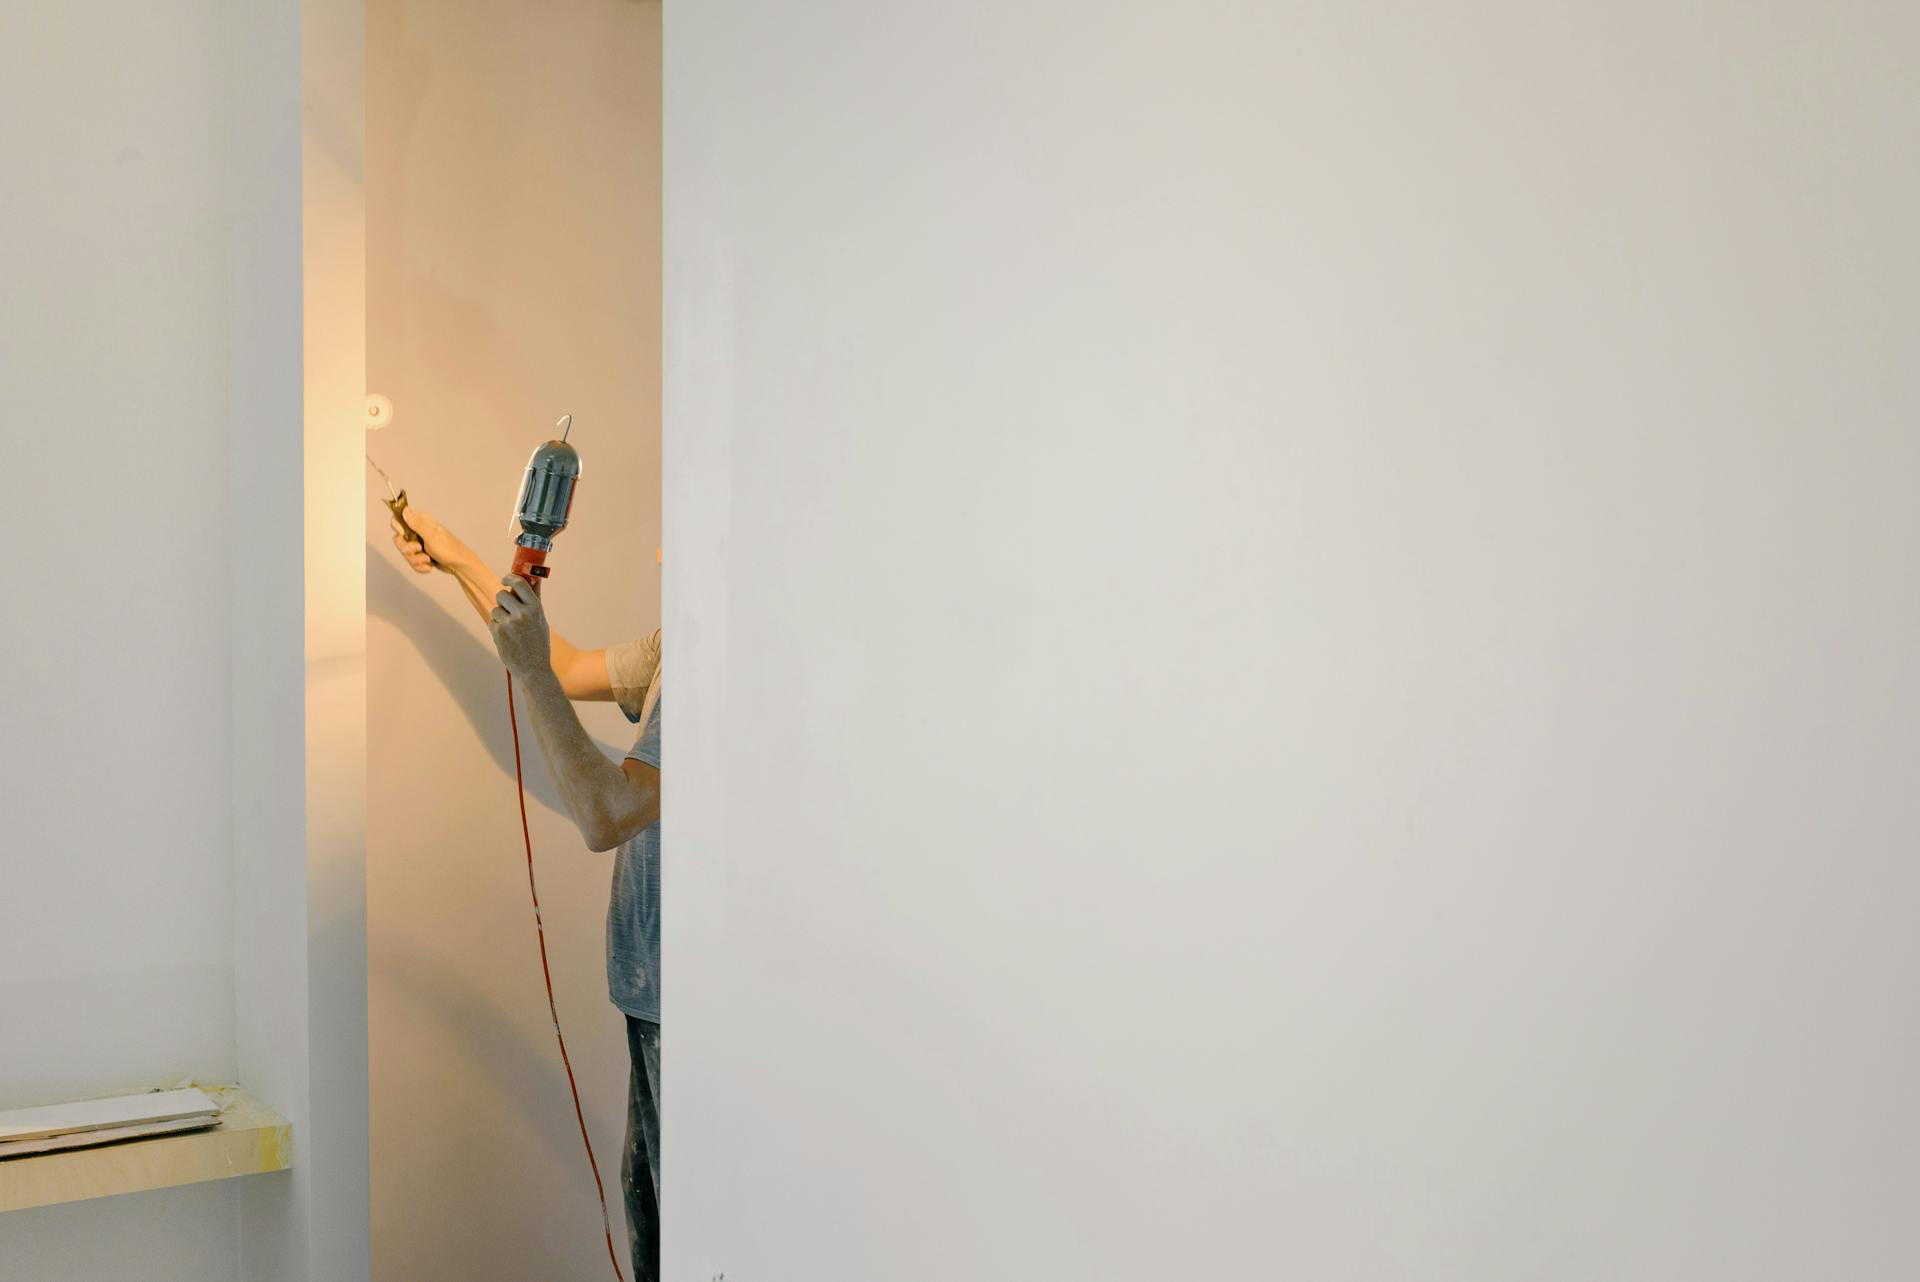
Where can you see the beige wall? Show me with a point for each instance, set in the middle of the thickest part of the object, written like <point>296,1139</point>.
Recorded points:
<point>513,275</point>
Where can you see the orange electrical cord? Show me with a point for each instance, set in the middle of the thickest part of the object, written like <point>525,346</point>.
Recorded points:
<point>526,835</point>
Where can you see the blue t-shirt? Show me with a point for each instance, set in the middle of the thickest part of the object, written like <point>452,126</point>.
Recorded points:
<point>633,911</point>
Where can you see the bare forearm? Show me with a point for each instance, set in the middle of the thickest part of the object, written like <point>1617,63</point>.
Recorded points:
<point>602,800</point>
<point>476,580</point>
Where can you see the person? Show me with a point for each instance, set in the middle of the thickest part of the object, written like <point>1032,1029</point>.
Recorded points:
<point>615,807</point>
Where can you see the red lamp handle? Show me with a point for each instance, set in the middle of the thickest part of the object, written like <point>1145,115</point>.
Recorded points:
<point>530,564</point>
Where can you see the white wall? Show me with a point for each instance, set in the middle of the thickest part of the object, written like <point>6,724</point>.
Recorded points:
<point>1293,637</point>
<point>155,880</point>
<point>116,962</point>
<point>513,184</point>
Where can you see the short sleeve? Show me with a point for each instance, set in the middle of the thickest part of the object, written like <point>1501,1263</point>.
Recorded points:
<point>632,667</point>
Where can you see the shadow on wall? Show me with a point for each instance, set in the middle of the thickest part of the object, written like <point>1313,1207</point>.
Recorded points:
<point>467,667</point>
<point>523,1068</point>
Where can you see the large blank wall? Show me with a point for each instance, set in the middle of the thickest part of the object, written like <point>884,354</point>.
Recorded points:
<point>131,198</point>
<point>1294,641</point>
<point>169,165</point>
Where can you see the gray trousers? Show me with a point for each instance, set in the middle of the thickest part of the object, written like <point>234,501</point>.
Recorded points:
<point>640,1167</point>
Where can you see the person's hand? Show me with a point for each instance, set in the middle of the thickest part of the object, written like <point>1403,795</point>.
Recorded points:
<point>519,627</point>
<point>436,547</point>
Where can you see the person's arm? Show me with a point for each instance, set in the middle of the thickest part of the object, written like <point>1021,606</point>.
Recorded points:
<point>608,802</point>
<point>582,673</point>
